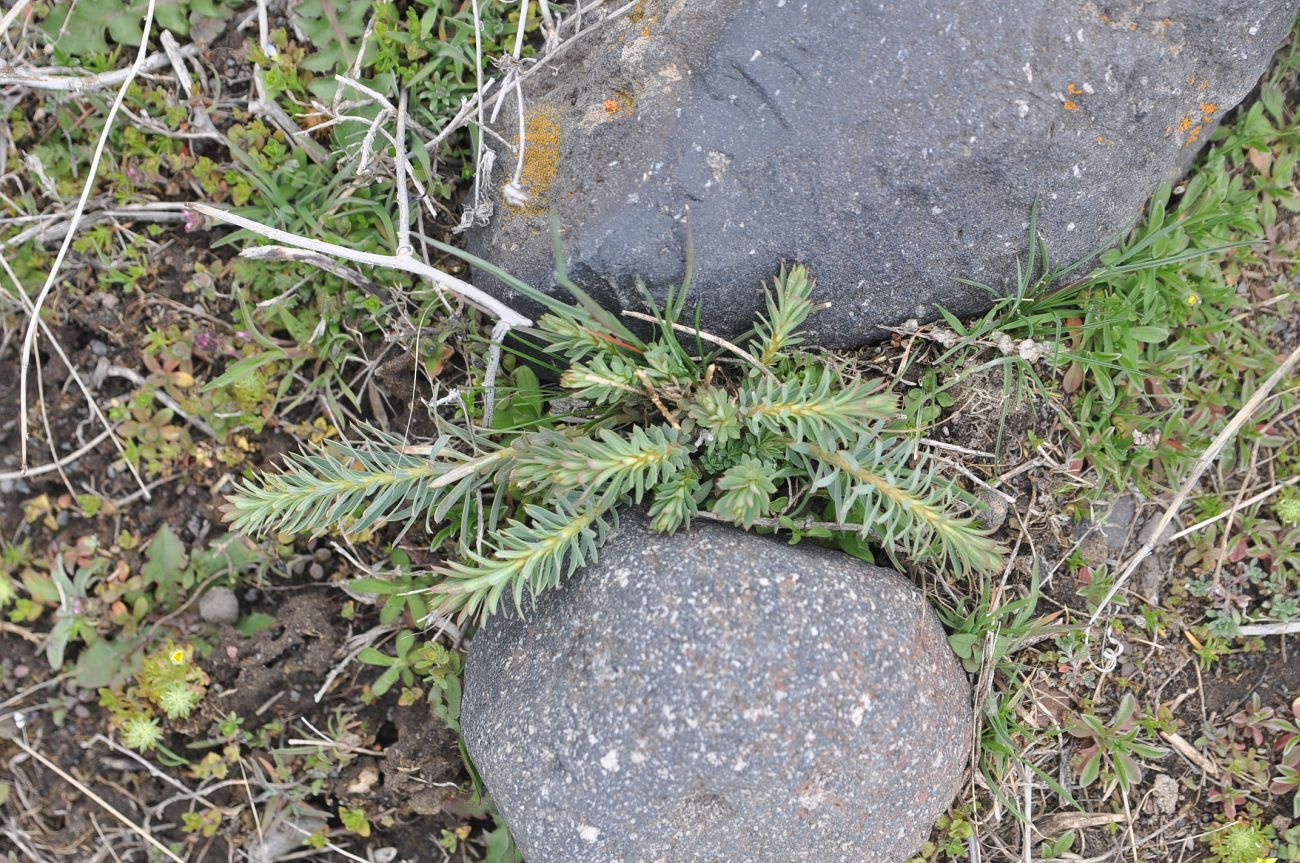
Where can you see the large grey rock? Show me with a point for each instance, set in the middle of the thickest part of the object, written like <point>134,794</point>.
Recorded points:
<point>893,147</point>
<point>719,697</point>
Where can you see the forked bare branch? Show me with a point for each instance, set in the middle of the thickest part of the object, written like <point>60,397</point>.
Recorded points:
<point>405,263</point>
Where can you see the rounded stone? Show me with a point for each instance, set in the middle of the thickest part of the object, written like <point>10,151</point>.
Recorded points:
<point>715,696</point>
<point>219,605</point>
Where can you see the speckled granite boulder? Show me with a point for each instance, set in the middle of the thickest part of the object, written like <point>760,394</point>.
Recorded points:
<point>719,697</point>
<point>893,146</point>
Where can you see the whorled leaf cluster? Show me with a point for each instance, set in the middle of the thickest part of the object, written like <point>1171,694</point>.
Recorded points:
<point>764,435</point>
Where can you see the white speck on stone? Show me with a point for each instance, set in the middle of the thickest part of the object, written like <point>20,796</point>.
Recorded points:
<point>811,799</point>
<point>860,709</point>
<point>1022,108</point>
<point>1076,170</point>
<point>1029,73</point>
<point>610,761</point>
<point>718,163</point>
<point>936,210</point>
<point>588,834</point>
<point>1069,227</point>
<point>757,54</point>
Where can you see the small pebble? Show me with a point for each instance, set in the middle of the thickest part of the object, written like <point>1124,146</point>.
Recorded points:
<point>98,348</point>
<point>316,571</point>
<point>21,671</point>
<point>219,605</point>
<point>994,510</point>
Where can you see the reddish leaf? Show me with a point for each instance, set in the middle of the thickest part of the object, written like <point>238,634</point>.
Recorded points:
<point>1073,378</point>
<point>1238,550</point>
<point>1261,159</point>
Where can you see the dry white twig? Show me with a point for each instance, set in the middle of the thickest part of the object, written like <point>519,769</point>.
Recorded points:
<point>514,191</point>
<point>403,198</point>
<point>61,463</point>
<point>200,114</point>
<point>709,337</point>
<point>80,786</point>
<point>479,210</point>
<point>14,11</point>
<point>329,265</point>
<point>1190,752</point>
<point>29,338</point>
<point>264,30</point>
<point>409,264</point>
<point>76,377</point>
<point>267,106</point>
<point>1238,507</point>
<point>1254,629</point>
<point>549,32</point>
<point>70,80</point>
<point>56,228</point>
<point>499,333</point>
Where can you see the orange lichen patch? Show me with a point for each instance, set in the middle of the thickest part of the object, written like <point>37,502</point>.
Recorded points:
<point>1073,89</point>
<point>1070,105</point>
<point>1185,123</point>
<point>620,102</point>
<point>637,13</point>
<point>541,159</point>
<point>1208,110</point>
<point>1193,134</point>
<point>1100,139</point>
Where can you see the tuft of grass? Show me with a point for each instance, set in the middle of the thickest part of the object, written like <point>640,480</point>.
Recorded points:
<point>1148,354</point>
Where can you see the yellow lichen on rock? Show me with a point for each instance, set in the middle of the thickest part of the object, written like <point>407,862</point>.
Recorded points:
<point>541,159</point>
